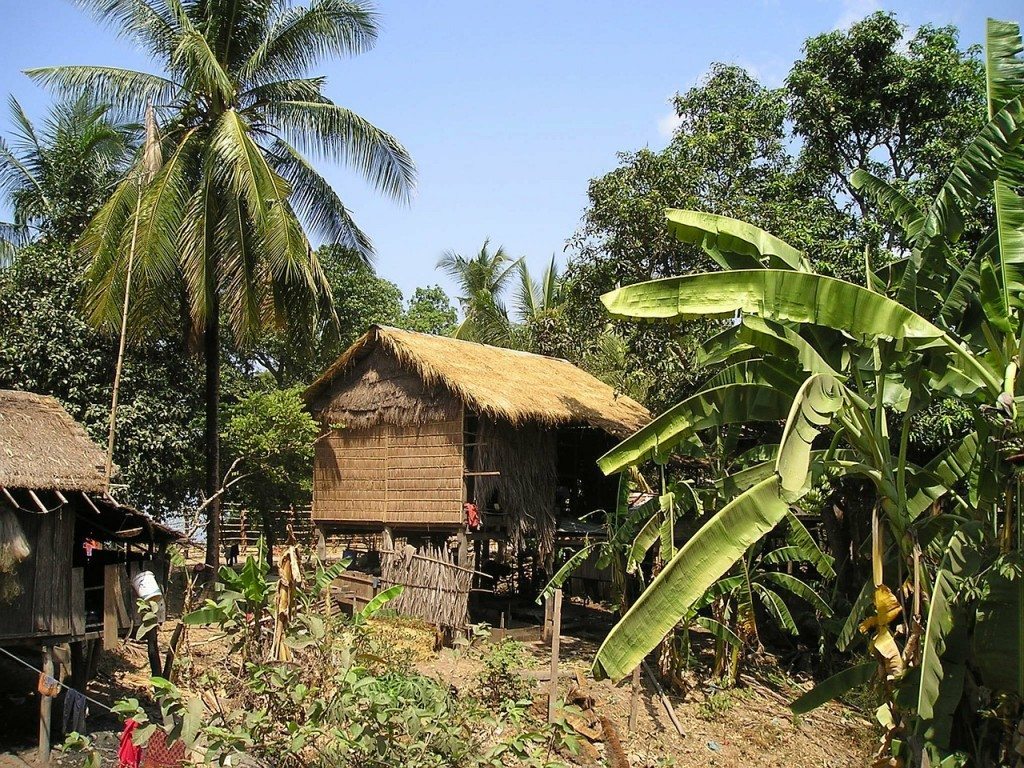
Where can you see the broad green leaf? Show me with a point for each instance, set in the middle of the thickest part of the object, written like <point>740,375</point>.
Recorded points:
<point>891,201</point>
<point>730,404</point>
<point>834,687</point>
<point>998,634</point>
<point>820,397</point>
<point>1009,207</point>
<point>801,589</point>
<point>772,294</point>
<point>943,473</point>
<point>971,179</point>
<point>945,645</point>
<point>994,300</point>
<point>1004,69</point>
<point>753,245</point>
<point>798,536</point>
<point>700,562</point>
<point>859,609</point>
<point>564,572</point>
<point>378,602</point>
<point>776,607</point>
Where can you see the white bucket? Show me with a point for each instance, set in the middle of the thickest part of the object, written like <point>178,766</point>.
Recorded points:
<point>145,586</point>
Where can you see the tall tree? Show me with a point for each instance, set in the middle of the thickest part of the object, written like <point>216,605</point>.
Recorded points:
<point>482,280</point>
<point>867,98</point>
<point>57,174</point>
<point>221,238</point>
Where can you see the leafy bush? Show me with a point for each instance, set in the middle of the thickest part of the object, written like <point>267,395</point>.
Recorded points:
<point>501,684</point>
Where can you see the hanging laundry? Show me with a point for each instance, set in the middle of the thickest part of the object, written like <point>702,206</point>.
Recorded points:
<point>47,685</point>
<point>74,711</point>
<point>129,755</point>
<point>473,521</point>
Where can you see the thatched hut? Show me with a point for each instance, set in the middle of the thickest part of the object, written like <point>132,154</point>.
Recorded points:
<point>64,540</point>
<point>68,549</point>
<point>417,427</point>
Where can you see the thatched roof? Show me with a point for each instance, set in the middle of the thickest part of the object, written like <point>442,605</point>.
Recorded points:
<point>43,448</point>
<point>518,387</point>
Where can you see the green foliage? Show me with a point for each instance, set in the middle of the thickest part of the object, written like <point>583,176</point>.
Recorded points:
<point>500,683</point>
<point>272,434</point>
<point>430,311</point>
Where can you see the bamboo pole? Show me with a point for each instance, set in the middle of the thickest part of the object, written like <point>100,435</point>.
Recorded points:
<point>151,162</point>
<point>556,631</point>
<point>634,699</point>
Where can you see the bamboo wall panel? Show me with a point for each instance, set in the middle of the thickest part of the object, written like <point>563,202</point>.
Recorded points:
<point>390,475</point>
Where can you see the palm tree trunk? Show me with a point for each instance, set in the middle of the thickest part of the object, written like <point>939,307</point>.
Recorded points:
<point>211,351</point>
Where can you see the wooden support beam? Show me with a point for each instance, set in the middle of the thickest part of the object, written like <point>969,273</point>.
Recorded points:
<point>556,631</point>
<point>42,507</point>
<point>62,497</point>
<point>90,503</point>
<point>481,474</point>
<point>45,709</point>
<point>7,495</point>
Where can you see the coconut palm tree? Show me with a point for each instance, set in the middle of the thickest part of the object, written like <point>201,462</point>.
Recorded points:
<point>220,237</point>
<point>533,299</point>
<point>56,175</point>
<point>482,280</point>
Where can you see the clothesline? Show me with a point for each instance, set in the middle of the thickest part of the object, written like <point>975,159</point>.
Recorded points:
<point>61,684</point>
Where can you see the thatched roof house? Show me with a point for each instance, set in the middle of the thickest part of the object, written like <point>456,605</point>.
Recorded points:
<point>60,528</point>
<point>422,424</point>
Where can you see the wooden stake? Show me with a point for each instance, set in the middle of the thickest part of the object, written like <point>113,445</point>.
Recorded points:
<point>664,699</point>
<point>556,631</point>
<point>45,707</point>
<point>634,699</point>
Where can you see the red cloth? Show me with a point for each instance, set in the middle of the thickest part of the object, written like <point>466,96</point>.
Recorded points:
<point>129,755</point>
<point>159,755</point>
<point>473,521</point>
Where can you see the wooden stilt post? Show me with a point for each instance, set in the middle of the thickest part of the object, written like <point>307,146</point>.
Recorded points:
<point>45,709</point>
<point>634,699</point>
<point>556,631</point>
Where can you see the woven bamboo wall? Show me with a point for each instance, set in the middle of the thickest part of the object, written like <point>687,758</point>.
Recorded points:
<point>393,475</point>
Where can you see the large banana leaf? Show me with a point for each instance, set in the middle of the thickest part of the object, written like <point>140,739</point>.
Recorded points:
<point>834,687</point>
<point>699,563</point>
<point>774,295</point>
<point>891,201</point>
<point>945,647</point>
<point>750,247</point>
<point>943,473</point>
<point>1004,69</point>
<point>820,397</point>
<point>971,179</point>
<point>998,633</point>
<point>770,338</point>
<point>729,404</point>
<point>1009,207</point>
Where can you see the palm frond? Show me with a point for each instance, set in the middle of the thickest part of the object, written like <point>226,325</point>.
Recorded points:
<point>125,89</point>
<point>302,36</point>
<point>335,133</point>
<point>317,203</point>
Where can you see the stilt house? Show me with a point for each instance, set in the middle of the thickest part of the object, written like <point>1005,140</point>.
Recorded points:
<point>429,437</point>
<point>67,548</point>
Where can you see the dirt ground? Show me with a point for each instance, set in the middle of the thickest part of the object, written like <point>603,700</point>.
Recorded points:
<point>747,726</point>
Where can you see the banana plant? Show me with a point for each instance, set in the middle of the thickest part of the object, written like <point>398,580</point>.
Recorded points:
<point>864,352</point>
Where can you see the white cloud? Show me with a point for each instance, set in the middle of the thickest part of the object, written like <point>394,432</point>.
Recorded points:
<point>667,124</point>
<point>854,11</point>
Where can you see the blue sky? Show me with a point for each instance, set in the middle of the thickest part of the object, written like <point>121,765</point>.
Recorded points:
<point>508,109</point>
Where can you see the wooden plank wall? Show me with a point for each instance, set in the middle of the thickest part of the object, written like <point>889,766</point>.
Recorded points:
<point>45,578</point>
<point>409,475</point>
